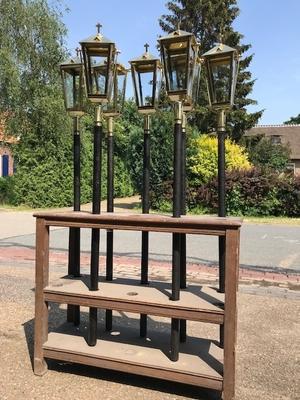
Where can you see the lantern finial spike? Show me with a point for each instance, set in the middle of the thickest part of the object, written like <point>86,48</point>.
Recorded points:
<point>98,26</point>
<point>178,25</point>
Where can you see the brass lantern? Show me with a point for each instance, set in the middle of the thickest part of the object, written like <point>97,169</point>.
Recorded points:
<point>180,56</point>
<point>116,101</point>
<point>98,56</point>
<point>221,64</point>
<point>73,86</point>
<point>146,77</point>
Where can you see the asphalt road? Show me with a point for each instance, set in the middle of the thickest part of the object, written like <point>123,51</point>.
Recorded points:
<point>263,246</point>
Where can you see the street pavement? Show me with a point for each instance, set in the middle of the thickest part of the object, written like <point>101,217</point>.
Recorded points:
<point>268,329</point>
<point>265,247</point>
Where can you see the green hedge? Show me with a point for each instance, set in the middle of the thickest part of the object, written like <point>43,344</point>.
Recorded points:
<point>252,193</point>
<point>6,190</point>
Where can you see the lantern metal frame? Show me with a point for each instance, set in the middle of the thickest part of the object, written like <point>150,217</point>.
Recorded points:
<point>114,106</point>
<point>170,45</point>
<point>143,64</point>
<point>98,46</point>
<point>73,67</point>
<point>221,55</point>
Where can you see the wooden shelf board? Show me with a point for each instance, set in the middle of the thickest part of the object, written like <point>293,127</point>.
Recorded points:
<point>141,222</point>
<point>141,357</point>
<point>197,303</point>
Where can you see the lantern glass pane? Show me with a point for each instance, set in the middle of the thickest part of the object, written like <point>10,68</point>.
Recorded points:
<point>99,75</point>
<point>175,58</point>
<point>196,81</point>
<point>116,101</point>
<point>121,86</point>
<point>72,88</point>
<point>221,80</point>
<point>144,84</point>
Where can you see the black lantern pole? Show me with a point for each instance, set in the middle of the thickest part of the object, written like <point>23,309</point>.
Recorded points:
<point>145,72</point>
<point>111,110</point>
<point>183,212</point>
<point>145,210</point>
<point>110,208</point>
<point>181,64</point>
<point>98,55</point>
<point>72,79</point>
<point>221,64</point>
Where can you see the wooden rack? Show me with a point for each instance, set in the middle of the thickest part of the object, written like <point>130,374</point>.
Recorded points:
<point>202,362</point>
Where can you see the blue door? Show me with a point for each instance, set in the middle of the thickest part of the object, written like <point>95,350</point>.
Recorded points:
<point>5,165</point>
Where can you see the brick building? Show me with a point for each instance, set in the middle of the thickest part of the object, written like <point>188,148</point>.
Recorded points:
<point>6,156</point>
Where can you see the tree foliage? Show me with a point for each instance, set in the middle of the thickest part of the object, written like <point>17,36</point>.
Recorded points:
<point>293,120</point>
<point>268,155</point>
<point>31,47</point>
<point>203,158</point>
<point>207,19</point>
<point>31,37</point>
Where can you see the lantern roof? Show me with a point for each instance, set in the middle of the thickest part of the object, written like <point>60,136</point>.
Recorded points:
<point>71,61</point>
<point>97,38</point>
<point>175,34</point>
<point>146,56</point>
<point>220,48</point>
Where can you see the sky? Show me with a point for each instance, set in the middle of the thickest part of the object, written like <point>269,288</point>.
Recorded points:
<point>271,26</point>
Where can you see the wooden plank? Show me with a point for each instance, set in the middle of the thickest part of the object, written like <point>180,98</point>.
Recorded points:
<point>197,303</point>
<point>230,317</point>
<point>41,306</point>
<point>142,222</point>
<point>202,369</point>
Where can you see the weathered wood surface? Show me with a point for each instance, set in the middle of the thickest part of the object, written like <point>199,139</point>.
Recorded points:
<point>142,222</point>
<point>205,306</point>
<point>198,303</point>
<point>133,355</point>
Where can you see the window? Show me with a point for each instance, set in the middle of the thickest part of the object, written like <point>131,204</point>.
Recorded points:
<point>276,139</point>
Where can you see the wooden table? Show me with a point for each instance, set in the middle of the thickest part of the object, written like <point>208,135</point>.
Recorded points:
<point>202,362</point>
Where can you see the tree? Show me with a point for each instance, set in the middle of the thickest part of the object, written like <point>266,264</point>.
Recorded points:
<point>293,120</point>
<point>268,155</point>
<point>207,19</point>
<point>31,37</point>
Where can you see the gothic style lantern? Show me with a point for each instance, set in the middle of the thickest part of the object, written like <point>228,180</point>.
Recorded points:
<point>73,86</point>
<point>221,64</point>
<point>115,103</point>
<point>180,56</point>
<point>146,71</point>
<point>98,56</point>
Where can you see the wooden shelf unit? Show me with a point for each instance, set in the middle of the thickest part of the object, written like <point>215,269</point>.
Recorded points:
<point>212,368</point>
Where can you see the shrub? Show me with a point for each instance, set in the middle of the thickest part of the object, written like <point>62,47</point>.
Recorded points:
<point>6,190</point>
<point>252,192</point>
<point>203,158</point>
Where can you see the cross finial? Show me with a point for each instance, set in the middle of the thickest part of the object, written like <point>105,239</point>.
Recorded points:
<point>98,26</point>
<point>77,51</point>
<point>146,45</point>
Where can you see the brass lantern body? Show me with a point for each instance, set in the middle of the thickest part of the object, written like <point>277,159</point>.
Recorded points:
<point>180,57</point>
<point>115,102</point>
<point>146,77</point>
<point>73,86</point>
<point>98,57</point>
<point>221,63</point>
